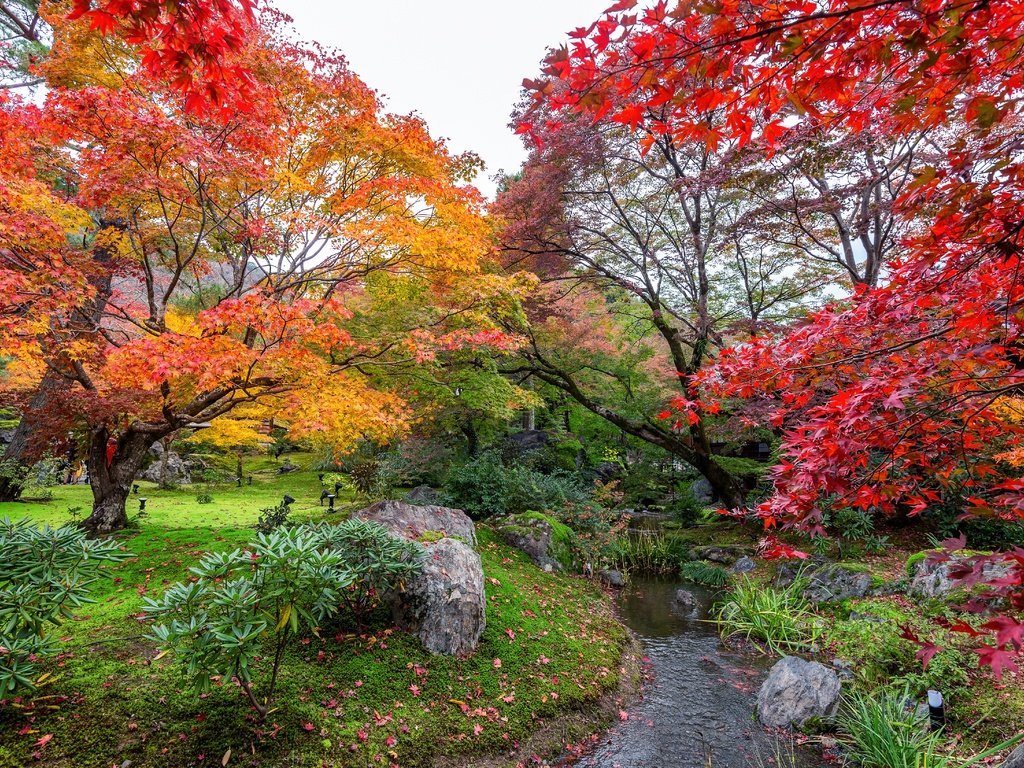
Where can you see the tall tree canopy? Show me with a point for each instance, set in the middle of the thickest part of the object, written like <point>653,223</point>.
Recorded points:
<point>896,397</point>
<point>189,263</point>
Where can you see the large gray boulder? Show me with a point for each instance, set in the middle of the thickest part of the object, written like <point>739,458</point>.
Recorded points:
<point>412,521</point>
<point>1015,758</point>
<point>532,535</point>
<point>167,469</point>
<point>796,691</point>
<point>686,603</point>
<point>833,583</point>
<point>702,491</point>
<point>444,605</point>
<point>932,579</point>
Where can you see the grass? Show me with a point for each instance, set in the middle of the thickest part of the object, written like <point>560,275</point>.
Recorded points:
<point>344,700</point>
<point>779,620</point>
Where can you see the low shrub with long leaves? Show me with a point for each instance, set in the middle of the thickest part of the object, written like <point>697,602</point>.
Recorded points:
<point>243,606</point>
<point>886,731</point>
<point>705,574</point>
<point>45,573</point>
<point>649,552</point>
<point>778,620</point>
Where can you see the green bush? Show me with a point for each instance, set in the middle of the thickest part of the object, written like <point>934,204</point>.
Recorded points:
<point>649,552</point>
<point>272,518</point>
<point>779,619</point>
<point>242,607</point>
<point>705,574</point>
<point>204,498</point>
<point>485,487</point>
<point>885,731</point>
<point>381,562</point>
<point>44,574</point>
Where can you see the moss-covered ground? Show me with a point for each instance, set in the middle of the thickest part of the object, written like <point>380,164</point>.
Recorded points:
<point>551,647</point>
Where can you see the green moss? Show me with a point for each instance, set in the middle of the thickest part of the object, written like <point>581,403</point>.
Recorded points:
<point>113,700</point>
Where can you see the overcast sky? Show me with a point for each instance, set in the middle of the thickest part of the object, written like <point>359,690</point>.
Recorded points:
<point>458,63</point>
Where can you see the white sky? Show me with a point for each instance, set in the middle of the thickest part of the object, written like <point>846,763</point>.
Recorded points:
<point>458,63</point>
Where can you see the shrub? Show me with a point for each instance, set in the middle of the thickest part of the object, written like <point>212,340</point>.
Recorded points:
<point>705,574</point>
<point>885,731</point>
<point>44,574</point>
<point>381,562</point>
<point>272,518</point>
<point>243,601</point>
<point>649,552</point>
<point>364,477</point>
<point>780,619</point>
<point>485,487</point>
<point>204,498</point>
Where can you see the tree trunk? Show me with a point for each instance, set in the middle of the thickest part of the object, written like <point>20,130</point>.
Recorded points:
<point>472,439</point>
<point>728,488</point>
<point>111,481</point>
<point>20,453</point>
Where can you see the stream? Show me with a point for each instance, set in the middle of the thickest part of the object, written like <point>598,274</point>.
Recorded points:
<point>697,709</point>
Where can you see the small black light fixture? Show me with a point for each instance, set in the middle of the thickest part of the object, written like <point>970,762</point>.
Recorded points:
<point>135,488</point>
<point>330,501</point>
<point>142,505</point>
<point>238,481</point>
<point>458,391</point>
<point>337,488</point>
<point>323,495</point>
<point>936,710</point>
<point>250,479</point>
<point>321,476</point>
<point>288,499</point>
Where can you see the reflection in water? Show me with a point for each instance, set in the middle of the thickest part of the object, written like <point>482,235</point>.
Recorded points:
<point>699,708</point>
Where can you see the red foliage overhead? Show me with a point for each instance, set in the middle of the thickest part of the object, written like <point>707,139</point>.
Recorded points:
<point>895,398</point>
<point>194,43</point>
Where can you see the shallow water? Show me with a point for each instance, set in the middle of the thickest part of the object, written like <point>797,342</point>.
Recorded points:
<point>697,709</point>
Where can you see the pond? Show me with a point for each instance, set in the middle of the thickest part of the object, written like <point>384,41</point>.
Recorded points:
<point>697,709</point>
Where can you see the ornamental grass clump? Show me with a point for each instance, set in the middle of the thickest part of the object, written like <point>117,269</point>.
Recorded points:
<point>779,620</point>
<point>45,573</point>
<point>242,607</point>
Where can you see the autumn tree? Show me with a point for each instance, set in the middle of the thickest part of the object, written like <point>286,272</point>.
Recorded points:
<point>891,399</point>
<point>245,256</point>
<point>661,234</point>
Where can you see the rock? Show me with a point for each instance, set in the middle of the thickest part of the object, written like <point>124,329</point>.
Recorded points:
<point>833,583</point>
<point>744,565</point>
<point>932,579</point>
<point>412,521</point>
<point>607,470</point>
<point>1015,758</point>
<point>612,578</point>
<point>444,605</point>
<point>422,495</point>
<point>702,491</point>
<point>685,602</point>
<point>177,471</point>
<point>721,555</point>
<point>287,467</point>
<point>534,536</point>
<point>796,691</point>
<point>528,440</point>
<point>843,668</point>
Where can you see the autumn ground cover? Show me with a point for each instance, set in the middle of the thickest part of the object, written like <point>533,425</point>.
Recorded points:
<point>551,646</point>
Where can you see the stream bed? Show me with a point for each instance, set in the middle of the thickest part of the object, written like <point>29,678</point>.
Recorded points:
<point>697,708</point>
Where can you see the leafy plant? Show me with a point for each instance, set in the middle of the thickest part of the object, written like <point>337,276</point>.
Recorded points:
<point>272,518</point>
<point>204,498</point>
<point>882,731</point>
<point>364,477</point>
<point>379,562</point>
<point>45,573</point>
<point>649,552</point>
<point>705,574</point>
<point>219,623</point>
<point>780,619</point>
<point>485,487</point>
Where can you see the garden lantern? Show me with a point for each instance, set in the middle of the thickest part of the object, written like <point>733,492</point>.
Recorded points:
<point>337,487</point>
<point>323,495</point>
<point>135,488</point>
<point>330,501</point>
<point>142,505</point>
<point>936,710</point>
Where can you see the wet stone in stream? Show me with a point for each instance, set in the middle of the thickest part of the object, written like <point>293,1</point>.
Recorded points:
<point>697,709</point>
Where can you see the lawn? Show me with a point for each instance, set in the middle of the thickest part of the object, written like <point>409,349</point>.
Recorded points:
<point>551,646</point>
